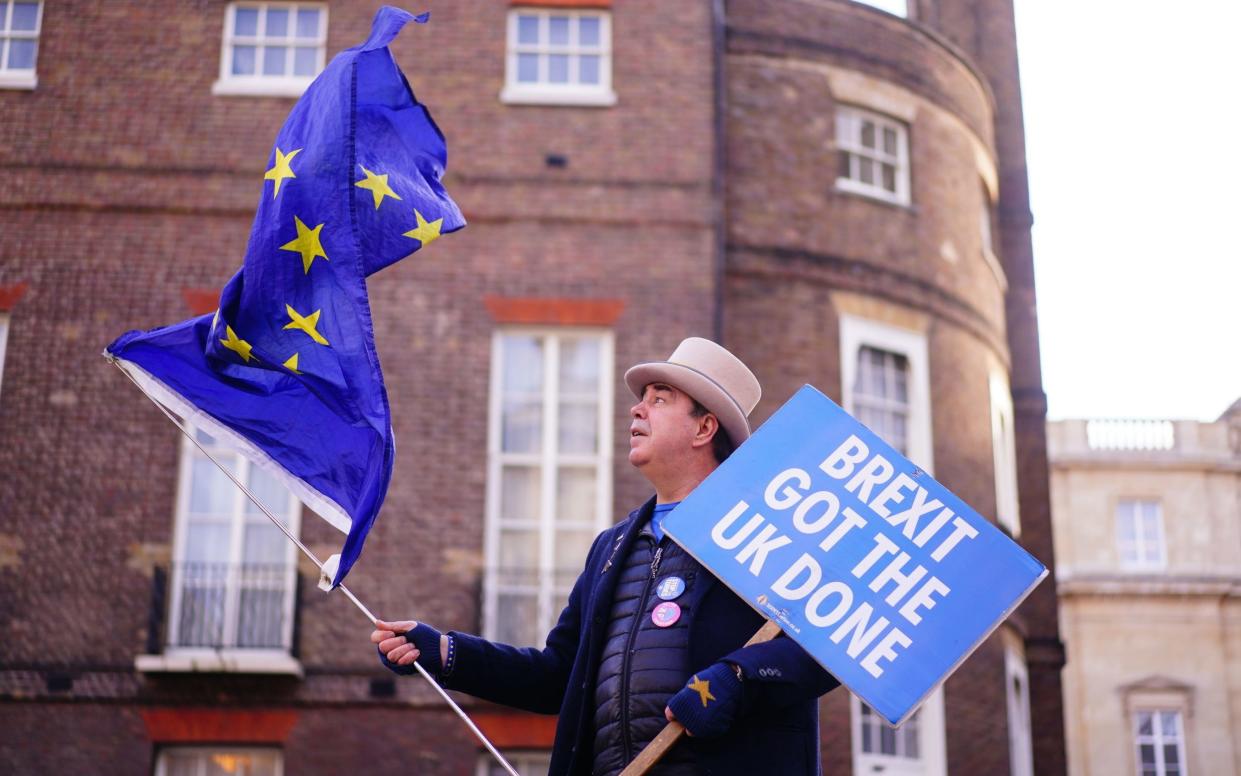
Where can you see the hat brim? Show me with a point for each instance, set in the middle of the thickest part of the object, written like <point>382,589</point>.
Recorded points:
<point>702,388</point>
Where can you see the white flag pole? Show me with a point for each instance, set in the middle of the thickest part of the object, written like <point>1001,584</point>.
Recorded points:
<point>306,551</point>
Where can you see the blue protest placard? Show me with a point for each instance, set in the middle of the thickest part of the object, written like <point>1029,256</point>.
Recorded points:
<point>874,568</point>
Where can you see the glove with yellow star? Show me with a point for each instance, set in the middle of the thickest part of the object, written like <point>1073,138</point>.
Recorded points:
<point>709,702</point>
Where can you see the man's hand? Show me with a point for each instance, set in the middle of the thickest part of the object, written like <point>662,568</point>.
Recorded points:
<point>394,647</point>
<point>709,702</point>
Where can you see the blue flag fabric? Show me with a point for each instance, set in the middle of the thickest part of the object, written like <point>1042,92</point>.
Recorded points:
<point>285,371</point>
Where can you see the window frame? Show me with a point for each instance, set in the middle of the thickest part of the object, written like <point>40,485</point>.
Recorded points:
<point>849,116</point>
<point>236,521</point>
<point>4,339</point>
<point>542,92</point>
<point>932,748</point>
<point>1158,741</point>
<point>19,78</point>
<point>257,85</point>
<point>1004,454</point>
<point>1139,562</point>
<point>161,762</point>
<point>857,332</point>
<point>550,597</point>
<point>1020,725</point>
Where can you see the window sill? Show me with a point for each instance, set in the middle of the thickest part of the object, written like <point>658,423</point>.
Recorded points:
<point>595,98</point>
<point>225,661</point>
<point>12,80</point>
<point>260,87</point>
<point>847,186</point>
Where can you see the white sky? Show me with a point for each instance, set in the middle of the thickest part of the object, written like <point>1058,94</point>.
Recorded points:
<point>1133,132</point>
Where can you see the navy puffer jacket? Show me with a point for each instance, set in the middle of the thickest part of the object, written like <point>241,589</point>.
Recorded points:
<point>643,665</point>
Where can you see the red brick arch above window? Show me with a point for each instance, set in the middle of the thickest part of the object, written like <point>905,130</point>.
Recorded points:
<point>10,294</point>
<point>185,726</point>
<point>607,4</point>
<point>555,311</point>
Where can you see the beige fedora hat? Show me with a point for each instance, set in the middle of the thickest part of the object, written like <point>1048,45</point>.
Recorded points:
<point>717,379</point>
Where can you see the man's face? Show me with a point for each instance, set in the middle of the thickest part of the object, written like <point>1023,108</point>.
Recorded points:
<point>662,429</point>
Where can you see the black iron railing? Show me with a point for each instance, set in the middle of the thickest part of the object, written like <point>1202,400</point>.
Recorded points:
<point>224,605</point>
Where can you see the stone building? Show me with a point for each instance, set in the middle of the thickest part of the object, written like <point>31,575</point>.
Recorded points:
<point>834,189</point>
<point>1147,530</point>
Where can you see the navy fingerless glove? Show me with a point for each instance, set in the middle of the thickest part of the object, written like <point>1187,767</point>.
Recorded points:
<point>709,702</point>
<point>427,640</point>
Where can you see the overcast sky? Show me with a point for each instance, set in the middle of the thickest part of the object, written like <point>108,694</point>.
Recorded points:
<point>1133,132</point>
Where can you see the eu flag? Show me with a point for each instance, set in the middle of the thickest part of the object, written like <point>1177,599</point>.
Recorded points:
<point>285,370</point>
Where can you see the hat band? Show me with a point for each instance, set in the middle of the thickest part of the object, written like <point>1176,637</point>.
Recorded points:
<point>723,390</point>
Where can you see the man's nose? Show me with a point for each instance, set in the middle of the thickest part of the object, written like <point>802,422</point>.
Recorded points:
<point>637,410</point>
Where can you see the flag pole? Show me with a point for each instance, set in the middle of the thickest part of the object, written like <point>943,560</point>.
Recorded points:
<point>306,551</point>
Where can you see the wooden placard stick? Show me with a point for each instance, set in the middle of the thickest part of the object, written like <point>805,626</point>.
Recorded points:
<point>673,731</point>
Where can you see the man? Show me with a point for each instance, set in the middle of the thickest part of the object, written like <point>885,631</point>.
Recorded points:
<point>648,634</point>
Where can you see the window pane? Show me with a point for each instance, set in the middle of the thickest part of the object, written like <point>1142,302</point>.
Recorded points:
<point>519,555</point>
<point>1168,720</point>
<point>207,543</point>
<point>558,68</point>
<point>211,492</point>
<point>522,430</point>
<point>523,365</point>
<point>845,171</point>
<point>260,619</point>
<point>868,134</point>
<point>579,427</point>
<point>1171,757</point>
<point>246,21</point>
<point>889,177</point>
<point>277,23</point>
<point>528,29</point>
<point>528,68</point>
<point>305,60</point>
<point>243,60</point>
<point>1145,723</point>
<point>588,31</point>
<point>516,619</point>
<point>21,54</point>
<point>25,17</point>
<point>180,764</point>
<point>264,545</point>
<point>588,69</point>
<point>866,170</point>
<point>307,23</point>
<point>887,740</point>
<point>267,489</point>
<point>575,493</point>
<point>520,493</point>
<point>1146,754</point>
<point>571,549</point>
<point>889,141</point>
<point>274,60</point>
<point>558,30</point>
<point>579,366</point>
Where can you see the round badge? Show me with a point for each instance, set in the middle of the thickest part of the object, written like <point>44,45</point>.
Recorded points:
<point>666,614</point>
<point>670,588</point>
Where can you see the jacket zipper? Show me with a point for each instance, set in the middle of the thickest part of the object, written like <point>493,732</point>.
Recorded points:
<point>633,634</point>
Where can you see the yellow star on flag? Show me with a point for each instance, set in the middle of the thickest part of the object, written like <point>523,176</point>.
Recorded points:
<point>291,364</point>
<point>703,688</point>
<point>426,232</point>
<point>306,323</point>
<point>307,244</point>
<point>377,185</point>
<point>237,345</point>
<point>281,169</point>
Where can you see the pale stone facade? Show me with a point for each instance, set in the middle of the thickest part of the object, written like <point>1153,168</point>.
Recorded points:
<point>1147,524</point>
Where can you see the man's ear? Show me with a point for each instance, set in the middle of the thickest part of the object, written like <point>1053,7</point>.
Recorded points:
<point>708,425</point>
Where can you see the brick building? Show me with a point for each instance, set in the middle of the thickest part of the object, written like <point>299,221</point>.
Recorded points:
<point>837,191</point>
